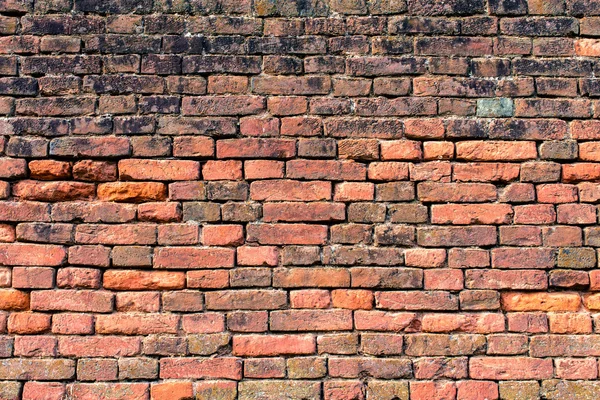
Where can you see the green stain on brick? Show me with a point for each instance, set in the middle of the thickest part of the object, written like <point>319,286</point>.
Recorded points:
<point>501,107</point>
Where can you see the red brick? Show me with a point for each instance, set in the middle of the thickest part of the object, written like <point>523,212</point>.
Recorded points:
<point>401,150</point>
<point>136,324</point>
<point>353,367</point>
<point>143,280</point>
<point>325,169</point>
<point>343,390</point>
<point>311,320</point>
<point>158,170</point>
<point>159,212</point>
<point>190,146</point>
<point>206,322</point>
<point>527,322</point>
<point>137,301</point>
<point>193,257</point>
<point>98,346</point>
<point>534,214</point>
<point>84,278</point>
<point>456,192</point>
<point>472,390</point>
<point>466,214</point>
<point>439,389</point>
<point>93,391</point>
<point>208,279</point>
<point>74,324</point>
<point>259,345</point>
<point>173,234</point>
<point>222,170</point>
<point>310,298</point>
<point>43,391</point>
<point>471,323</point>
<point>573,368</point>
<point>132,192</point>
<point>171,390</point>
<point>425,258</point>
<point>501,279</point>
<point>293,212</point>
<point>574,214</point>
<point>576,323</point>
<point>513,368</point>
<point>222,235</point>
<point>290,190</point>
<point>352,299</point>
<point>250,299</point>
<point>492,151</point>
<point>97,369</point>
<point>443,279</point>
<point>311,277</point>
<point>259,255</point>
<point>49,169</point>
<point>28,323</point>
<point>509,257</point>
<point>263,169</point>
<point>388,171</point>
<point>11,299</point>
<point>256,148</point>
<point>354,191</point>
<point>411,300</point>
<point>71,300</point>
<point>32,278</point>
<point>540,301</point>
<point>201,368</point>
<point>287,234</point>
<point>383,321</point>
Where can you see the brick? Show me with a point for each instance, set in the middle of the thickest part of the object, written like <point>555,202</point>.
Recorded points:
<point>71,300</point>
<point>467,214</point>
<point>72,278</point>
<point>28,323</point>
<point>72,324</point>
<point>193,368</point>
<point>521,368</point>
<point>378,368</point>
<point>381,344</point>
<point>143,280</point>
<point>43,390</point>
<point>109,390</point>
<point>180,257</point>
<point>498,279</point>
<point>158,170</point>
<point>274,345</point>
<point>472,323</point>
<point>169,390</point>
<point>307,320</point>
<point>132,324</point>
<point>311,277</point>
<point>429,300</point>
<point>53,191</point>
<point>203,323</point>
<point>490,151</point>
<point>442,390</point>
<point>540,301</point>
<point>287,234</point>
<point>444,345</point>
<point>271,389</point>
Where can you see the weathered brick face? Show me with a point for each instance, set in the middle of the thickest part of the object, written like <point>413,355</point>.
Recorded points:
<point>299,199</point>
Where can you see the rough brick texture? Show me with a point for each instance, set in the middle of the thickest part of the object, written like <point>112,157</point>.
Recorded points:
<point>299,199</point>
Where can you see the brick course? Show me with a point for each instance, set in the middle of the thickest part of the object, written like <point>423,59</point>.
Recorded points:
<point>309,199</point>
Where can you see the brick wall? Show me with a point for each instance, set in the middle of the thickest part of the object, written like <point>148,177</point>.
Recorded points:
<point>299,199</point>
